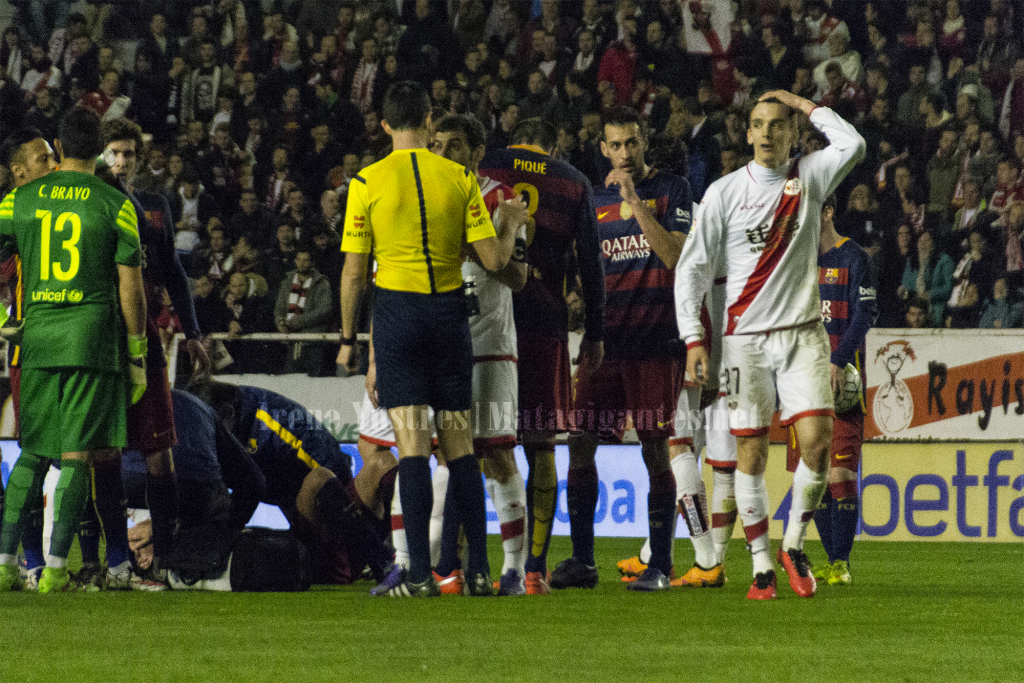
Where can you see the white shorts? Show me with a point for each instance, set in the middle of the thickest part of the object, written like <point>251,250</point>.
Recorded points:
<point>791,363</point>
<point>721,444</point>
<point>375,425</point>
<point>688,416</point>
<point>495,403</point>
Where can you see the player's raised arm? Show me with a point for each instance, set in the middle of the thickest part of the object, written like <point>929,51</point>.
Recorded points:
<point>826,168</point>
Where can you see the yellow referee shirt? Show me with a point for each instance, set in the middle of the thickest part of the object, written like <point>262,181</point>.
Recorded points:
<point>414,208</point>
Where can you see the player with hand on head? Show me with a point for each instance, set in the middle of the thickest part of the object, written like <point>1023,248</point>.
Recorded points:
<point>848,308</point>
<point>561,203</point>
<point>761,224</point>
<point>643,217</point>
<point>72,368</point>
<point>461,138</point>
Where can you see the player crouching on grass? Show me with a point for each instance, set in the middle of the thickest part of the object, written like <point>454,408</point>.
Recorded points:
<point>307,476</point>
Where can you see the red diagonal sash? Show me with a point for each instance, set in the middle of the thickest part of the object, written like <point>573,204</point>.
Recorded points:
<point>779,237</point>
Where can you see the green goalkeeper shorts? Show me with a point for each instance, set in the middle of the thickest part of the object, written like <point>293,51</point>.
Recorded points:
<point>65,410</point>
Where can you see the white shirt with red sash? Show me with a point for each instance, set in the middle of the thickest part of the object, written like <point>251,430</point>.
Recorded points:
<point>761,228</point>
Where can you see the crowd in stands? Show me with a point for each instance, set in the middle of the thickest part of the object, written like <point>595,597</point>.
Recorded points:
<point>259,113</point>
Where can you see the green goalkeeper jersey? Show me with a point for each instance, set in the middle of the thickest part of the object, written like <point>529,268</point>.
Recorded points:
<point>71,230</point>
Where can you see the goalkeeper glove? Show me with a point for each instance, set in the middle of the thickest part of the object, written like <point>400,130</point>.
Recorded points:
<point>137,348</point>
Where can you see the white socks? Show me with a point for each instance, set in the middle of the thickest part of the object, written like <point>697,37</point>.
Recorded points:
<point>808,488</point>
<point>752,505</point>
<point>692,497</point>
<point>723,511</point>
<point>510,502</point>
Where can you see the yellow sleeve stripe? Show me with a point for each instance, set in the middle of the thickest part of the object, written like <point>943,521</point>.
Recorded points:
<point>7,205</point>
<point>286,436</point>
<point>127,219</point>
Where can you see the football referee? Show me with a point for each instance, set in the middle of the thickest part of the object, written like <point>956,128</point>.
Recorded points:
<point>415,210</point>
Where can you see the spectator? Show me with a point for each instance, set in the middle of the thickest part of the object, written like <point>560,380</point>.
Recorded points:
<point>192,206</point>
<point>364,76</point>
<point>539,102</point>
<point>501,135</point>
<point>704,152</point>
<point>943,171</point>
<point>820,26</point>
<point>152,176</point>
<point>594,23</point>
<point>843,95</point>
<point>41,74</point>
<point>45,114</point>
<point>618,65</point>
<point>276,181</point>
<point>298,215</point>
<point>108,102</point>
<point>288,73</point>
<point>846,58</point>
<point>426,46</point>
<point>984,165</point>
<point>859,221</point>
<point>211,314</point>
<point>908,112</point>
<point>221,168</point>
<point>1013,222</point>
<point>1009,186</point>
<point>150,97</point>
<point>159,45</point>
<point>1011,113</point>
<point>215,260</point>
<point>1000,312</point>
<point>290,122</point>
<point>929,274</point>
<point>330,215</point>
<point>248,311</point>
<point>779,61</point>
<point>892,263</point>
<point>972,283</point>
<point>304,305</point>
<point>918,315</point>
<point>279,260</point>
<point>586,62</point>
<point>253,220</point>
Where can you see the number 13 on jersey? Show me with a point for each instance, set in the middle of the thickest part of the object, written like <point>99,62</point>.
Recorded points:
<point>48,226</point>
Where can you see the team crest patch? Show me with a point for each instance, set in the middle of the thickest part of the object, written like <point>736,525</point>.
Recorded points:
<point>831,276</point>
<point>626,211</point>
<point>792,187</point>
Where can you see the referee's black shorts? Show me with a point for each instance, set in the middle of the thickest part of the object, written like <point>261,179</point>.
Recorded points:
<point>423,350</point>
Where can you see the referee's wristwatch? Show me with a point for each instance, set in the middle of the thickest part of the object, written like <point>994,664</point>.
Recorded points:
<point>348,341</point>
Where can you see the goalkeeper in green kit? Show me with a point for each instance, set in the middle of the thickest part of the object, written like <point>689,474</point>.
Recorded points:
<point>79,244</point>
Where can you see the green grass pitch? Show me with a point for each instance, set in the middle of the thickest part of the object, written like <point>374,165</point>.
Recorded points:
<point>917,612</point>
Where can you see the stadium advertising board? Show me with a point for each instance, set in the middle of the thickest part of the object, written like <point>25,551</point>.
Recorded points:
<point>958,385</point>
<point>910,492</point>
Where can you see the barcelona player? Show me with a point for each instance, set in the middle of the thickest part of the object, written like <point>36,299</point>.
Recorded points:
<point>643,217</point>
<point>561,202</point>
<point>848,308</point>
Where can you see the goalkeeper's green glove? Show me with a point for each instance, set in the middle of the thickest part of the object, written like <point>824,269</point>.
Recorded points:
<point>137,349</point>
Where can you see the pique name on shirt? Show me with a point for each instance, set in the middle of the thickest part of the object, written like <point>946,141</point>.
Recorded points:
<point>62,192</point>
<point>621,248</point>
<point>530,166</point>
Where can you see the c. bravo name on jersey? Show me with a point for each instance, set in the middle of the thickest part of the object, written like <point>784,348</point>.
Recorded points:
<point>73,296</point>
<point>64,192</point>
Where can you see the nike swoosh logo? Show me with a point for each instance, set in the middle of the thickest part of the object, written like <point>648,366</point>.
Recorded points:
<point>662,425</point>
<point>840,456</point>
<point>602,215</point>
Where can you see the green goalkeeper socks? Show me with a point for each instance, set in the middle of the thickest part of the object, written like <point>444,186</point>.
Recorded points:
<point>69,503</point>
<point>24,491</point>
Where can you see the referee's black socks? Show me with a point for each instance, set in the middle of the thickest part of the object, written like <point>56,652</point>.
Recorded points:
<point>417,496</point>
<point>465,483</point>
